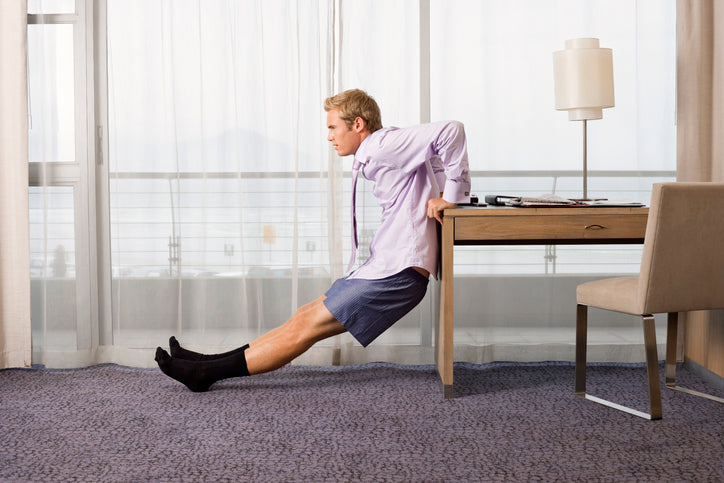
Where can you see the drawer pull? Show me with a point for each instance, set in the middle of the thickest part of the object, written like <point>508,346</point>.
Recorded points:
<point>595,227</point>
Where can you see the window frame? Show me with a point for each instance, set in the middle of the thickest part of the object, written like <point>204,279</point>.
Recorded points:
<point>80,174</point>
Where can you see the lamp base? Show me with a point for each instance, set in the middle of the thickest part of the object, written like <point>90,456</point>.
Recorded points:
<point>581,200</point>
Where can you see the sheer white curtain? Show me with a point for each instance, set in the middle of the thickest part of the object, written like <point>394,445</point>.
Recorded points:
<point>226,208</point>
<point>219,168</point>
<point>15,338</point>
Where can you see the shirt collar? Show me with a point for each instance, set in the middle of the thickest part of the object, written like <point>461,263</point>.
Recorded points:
<point>361,155</point>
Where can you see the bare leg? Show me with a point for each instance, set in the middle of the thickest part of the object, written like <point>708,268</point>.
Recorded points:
<point>309,325</point>
<point>182,353</point>
<point>285,326</point>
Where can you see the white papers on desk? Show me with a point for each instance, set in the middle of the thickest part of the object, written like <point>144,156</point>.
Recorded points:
<point>614,203</point>
<point>542,200</point>
<point>555,200</point>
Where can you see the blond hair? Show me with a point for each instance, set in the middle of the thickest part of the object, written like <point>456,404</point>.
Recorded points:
<point>355,103</point>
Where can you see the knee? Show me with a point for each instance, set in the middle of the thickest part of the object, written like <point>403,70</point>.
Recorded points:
<point>310,327</point>
<point>301,326</point>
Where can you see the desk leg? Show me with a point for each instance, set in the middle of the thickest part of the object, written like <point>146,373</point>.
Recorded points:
<point>444,333</point>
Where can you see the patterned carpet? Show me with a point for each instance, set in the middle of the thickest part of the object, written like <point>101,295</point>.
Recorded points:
<point>376,422</point>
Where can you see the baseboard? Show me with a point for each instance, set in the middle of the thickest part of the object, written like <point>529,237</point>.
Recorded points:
<point>709,377</point>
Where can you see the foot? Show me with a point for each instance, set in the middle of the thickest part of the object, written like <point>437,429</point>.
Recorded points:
<point>180,353</point>
<point>185,372</point>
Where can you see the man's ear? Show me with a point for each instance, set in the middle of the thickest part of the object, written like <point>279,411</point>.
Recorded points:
<point>359,124</point>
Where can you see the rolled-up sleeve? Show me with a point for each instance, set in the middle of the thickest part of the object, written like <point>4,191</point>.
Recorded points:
<point>443,144</point>
<point>451,147</point>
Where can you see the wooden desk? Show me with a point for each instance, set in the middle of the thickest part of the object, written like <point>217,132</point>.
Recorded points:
<point>522,226</point>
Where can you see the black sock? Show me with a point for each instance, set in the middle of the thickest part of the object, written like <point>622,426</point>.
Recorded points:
<point>181,353</point>
<point>200,375</point>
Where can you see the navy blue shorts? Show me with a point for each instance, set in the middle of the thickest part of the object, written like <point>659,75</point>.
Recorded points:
<point>367,308</point>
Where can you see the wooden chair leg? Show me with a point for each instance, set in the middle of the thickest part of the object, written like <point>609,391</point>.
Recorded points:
<point>581,346</point>
<point>652,366</point>
<point>672,328</point>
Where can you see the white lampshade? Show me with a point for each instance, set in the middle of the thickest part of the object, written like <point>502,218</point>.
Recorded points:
<point>583,75</point>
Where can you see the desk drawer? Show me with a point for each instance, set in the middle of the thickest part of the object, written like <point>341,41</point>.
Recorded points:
<point>587,228</point>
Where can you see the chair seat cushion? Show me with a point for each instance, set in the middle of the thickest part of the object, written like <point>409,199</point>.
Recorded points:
<point>619,294</point>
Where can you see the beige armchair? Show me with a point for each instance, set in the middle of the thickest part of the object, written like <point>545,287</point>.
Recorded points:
<point>682,269</point>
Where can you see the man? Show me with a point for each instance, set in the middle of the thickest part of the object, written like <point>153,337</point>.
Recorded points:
<point>417,172</point>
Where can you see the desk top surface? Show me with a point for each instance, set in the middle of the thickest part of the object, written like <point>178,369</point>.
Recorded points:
<point>545,211</point>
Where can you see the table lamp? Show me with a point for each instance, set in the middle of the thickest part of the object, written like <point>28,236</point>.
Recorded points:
<point>583,77</point>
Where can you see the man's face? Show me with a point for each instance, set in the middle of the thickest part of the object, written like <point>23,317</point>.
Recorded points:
<point>345,140</point>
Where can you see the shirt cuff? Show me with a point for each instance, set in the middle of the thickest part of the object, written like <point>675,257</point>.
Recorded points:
<point>456,192</point>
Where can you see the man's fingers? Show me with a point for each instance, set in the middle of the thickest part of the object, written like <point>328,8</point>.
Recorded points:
<point>434,211</point>
<point>436,207</point>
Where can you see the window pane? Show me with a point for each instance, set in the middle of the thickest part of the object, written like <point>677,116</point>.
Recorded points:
<point>492,68</point>
<point>218,227</point>
<point>216,87</point>
<point>51,6</point>
<point>51,93</point>
<point>52,236</point>
<point>52,267</point>
<point>380,52</point>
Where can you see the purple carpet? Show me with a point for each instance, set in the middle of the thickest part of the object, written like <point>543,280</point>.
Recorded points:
<point>376,422</point>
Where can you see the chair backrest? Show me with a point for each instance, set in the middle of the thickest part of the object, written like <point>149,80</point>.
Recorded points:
<point>682,267</point>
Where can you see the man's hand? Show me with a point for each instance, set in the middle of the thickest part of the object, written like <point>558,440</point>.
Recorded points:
<point>436,206</point>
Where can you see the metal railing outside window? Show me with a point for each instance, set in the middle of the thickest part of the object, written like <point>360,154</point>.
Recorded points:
<point>208,224</point>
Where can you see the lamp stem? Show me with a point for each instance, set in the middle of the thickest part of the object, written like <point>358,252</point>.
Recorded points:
<point>585,161</point>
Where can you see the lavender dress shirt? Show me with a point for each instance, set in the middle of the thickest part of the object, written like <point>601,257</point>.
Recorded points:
<point>409,166</point>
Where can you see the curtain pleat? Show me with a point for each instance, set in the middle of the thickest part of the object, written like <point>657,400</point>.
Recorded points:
<point>15,328</point>
<point>700,148</point>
